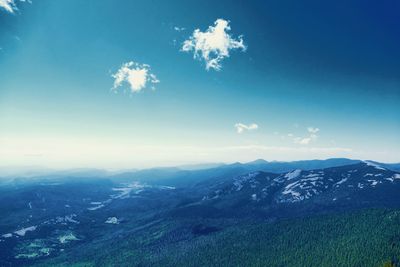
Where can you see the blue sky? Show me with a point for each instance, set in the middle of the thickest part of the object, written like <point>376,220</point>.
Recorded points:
<point>297,81</point>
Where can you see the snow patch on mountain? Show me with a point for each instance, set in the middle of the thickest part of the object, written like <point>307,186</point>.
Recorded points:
<point>124,192</point>
<point>293,174</point>
<point>112,220</point>
<point>373,182</point>
<point>341,182</point>
<point>239,181</point>
<point>167,187</point>
<point>295,196</point>
<point>96,207</point>
<point>67,238</point>
<point>8,235</point>
<point>23,231</point>
<point>378,167</point>
<point>67,219</point>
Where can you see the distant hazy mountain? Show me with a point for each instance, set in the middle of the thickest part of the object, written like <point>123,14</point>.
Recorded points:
<point>282,166</point>
<point>200,166</point>
<point>183,175</point>
<point>35,172</point>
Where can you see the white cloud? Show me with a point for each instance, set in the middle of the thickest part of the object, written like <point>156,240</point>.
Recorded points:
<point>308,139</point>
<point>240,127</point>
<point>302,141</point>
<point>313,130</point>
<point>214,44</point>
<point>137,75</point>
<point>179,29</point>
<point>8,5</point>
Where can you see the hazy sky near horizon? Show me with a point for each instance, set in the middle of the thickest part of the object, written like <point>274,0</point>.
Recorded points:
<point>120,84</point>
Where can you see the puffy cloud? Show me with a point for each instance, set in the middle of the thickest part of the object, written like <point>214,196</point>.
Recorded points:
<point>240,127</point>
<point>137,75</point>
<point>214,44</point>
<point>8,5</point>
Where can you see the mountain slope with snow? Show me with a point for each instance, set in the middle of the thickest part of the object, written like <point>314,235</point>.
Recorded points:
<point>361,184</point>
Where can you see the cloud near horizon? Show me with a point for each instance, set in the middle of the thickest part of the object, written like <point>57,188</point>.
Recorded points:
<point>240,127</point>
<point>108,153</point>
<point>138,76</point>
<point>213,45</point>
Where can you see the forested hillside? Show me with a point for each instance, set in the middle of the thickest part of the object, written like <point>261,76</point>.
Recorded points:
<point>362,238</point>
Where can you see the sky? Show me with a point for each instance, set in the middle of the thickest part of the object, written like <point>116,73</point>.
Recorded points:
<point>135,84</point>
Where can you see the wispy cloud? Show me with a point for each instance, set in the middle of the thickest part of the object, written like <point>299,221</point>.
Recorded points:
<point>240,127</point>
<point>307,139</point>
<point>313,130</point>
<point>302,140</point>
<point>179,29</point>
<point>136,75</point>
<point>214,44</point>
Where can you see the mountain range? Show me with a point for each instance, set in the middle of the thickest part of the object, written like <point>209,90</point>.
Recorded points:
<point>165,216</point>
